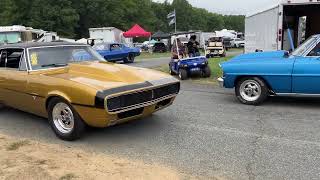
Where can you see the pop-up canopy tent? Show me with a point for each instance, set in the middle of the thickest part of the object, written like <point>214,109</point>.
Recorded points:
<point>136,31</point>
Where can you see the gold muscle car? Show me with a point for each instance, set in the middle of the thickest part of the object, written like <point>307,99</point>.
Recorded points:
<point>73,86</point>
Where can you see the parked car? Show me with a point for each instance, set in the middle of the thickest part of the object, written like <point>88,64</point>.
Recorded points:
<point>159,47</point>
<point>73,86</point>
<point>258,75</point>
<point>187,67</point>
<point>117,52</point>
<point>237,43</point>
<point>215,47</point>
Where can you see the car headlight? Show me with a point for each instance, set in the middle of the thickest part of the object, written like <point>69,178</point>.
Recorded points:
<point>205,63</point>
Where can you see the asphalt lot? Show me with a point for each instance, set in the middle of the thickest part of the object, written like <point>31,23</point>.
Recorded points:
<point>207,133</point>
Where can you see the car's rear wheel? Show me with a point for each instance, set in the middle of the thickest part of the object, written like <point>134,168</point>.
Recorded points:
<point>251,91</point>
<point>207,72</point>
<point>183,74</point>
<point>64,120</point>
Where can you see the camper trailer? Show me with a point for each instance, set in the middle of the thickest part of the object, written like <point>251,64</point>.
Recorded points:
<point>15,34</point>
<point>283,26</point>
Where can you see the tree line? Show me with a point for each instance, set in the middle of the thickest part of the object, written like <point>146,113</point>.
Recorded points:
<point>73,18</point>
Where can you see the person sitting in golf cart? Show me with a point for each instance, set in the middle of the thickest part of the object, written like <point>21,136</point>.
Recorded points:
<point>193,47</point>
<point>181,49</point>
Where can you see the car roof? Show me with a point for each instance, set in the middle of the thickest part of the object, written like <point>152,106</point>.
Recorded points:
<point>39,44</point>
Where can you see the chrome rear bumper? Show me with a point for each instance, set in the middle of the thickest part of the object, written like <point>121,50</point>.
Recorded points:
<point>220,81</point>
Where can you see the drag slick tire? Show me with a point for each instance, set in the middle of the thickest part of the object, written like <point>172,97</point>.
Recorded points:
<point>64,120</point>
<point>183,74</point>
<point>251,91</point>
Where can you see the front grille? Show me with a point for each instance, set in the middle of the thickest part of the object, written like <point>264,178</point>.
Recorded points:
<point>123,101</point>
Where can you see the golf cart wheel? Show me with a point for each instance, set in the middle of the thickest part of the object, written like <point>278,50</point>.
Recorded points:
<point>64,120</point>
<point>206,72</point>
<point>170,71</point>
<point>251,91</point>
<point>129,59</point>
<point>183,74</point>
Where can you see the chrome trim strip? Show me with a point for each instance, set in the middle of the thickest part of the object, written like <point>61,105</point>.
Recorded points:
<point>298,95</point>
<point>164,81</point>
<point>149,103</point>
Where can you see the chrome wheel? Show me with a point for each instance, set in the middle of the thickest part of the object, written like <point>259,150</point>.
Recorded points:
<point>63,118</point>
<point>250,90</point>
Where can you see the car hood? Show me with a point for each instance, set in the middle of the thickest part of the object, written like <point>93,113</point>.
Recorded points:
<point>259,55</point>
<point>104,75</point>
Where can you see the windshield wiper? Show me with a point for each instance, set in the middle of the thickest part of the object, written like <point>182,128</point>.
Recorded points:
<point>55,65</point>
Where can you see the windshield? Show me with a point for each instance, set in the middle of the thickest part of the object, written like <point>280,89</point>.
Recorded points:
<point>10,37</point>
<point>305,46</point>
<point>48,57</point>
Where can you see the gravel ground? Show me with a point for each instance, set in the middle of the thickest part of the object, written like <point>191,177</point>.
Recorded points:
<point>206,133</point>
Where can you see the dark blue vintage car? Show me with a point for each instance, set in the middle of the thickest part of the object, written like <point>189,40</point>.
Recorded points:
<point>258,75</point>
<point>113,52</point>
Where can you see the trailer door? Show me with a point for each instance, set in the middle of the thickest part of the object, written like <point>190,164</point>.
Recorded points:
<point>261,31</point>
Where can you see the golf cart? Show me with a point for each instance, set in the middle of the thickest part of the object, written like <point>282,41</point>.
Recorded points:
<point>215,47</point>
<point>186,67</point>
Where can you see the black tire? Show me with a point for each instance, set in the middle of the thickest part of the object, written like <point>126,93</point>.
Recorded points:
<point>264,91</point>
<point>129,59</point>
<point>183,74</point>
<point>208,56</point>
<point>206,72</point>
<point>78,127</point>
<point>170,70</point>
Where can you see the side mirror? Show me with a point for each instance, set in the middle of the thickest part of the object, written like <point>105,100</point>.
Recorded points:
<point>286,54</point>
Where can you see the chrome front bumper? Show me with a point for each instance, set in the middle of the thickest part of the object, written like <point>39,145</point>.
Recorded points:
<point>220,81</point>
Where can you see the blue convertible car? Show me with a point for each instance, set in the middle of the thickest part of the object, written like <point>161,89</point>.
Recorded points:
<point>259,75</point>
<point>117,52</point>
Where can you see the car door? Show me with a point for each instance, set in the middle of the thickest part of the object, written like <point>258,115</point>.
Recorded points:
<point>306,73</point>
<point>13,72</point>
<point>115,51</point>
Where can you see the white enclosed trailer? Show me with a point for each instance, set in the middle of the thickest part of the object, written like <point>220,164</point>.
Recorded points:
<point>269,29</point>
<point>109,34</point>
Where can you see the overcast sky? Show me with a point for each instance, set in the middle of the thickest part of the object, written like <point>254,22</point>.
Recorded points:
<point>231,6</point>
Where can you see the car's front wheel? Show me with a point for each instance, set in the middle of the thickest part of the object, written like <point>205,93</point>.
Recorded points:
<point>64,120</point>
<point>129,59</point>
<point>251,91</point>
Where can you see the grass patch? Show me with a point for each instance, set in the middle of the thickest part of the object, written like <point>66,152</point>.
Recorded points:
<point>68,176</point>
<point>214,66</point>
<point>146,55</point>
<point>16,145</point>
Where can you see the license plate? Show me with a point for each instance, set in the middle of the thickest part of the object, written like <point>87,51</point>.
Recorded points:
<point>195,69</point>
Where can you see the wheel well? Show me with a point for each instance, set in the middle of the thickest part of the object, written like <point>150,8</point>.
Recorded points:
<point>50,98</point>
<point>261,78</point>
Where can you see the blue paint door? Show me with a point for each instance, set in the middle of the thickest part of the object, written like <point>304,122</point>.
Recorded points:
<point>306,75</point>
